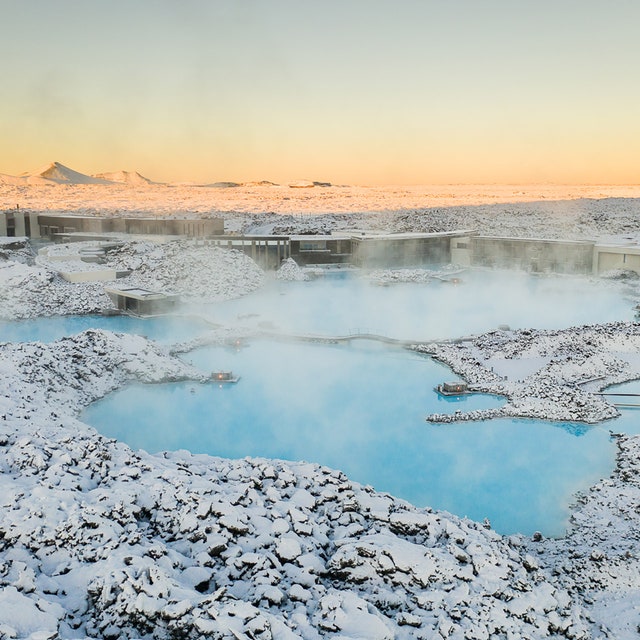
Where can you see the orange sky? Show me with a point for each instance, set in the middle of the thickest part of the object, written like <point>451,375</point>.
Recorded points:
<point>360,92</point>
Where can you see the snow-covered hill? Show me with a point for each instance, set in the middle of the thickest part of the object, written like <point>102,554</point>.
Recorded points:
<point>124,177</point>
<point>57,172</point>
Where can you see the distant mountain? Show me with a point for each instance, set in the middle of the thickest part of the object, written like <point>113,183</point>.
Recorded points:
<point>124,177</point>
<point>308,184</point>
<point>260,183</point>
<point>56,172</point>
<point>24,179</point>
<point>223,185</point>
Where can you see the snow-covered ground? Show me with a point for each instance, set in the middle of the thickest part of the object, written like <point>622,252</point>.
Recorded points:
<point>552,375</point>
<point>195,272</point>
<point>99,541</point>
<point>544,211</point>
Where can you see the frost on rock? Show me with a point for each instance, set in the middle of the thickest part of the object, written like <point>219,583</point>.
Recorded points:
<point>551,375</point>
<point>107,542</point>
<point>289,270</point>
<point>190,269</point>
<point>194,270</point>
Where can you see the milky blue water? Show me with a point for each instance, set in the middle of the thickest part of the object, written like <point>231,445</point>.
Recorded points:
<point>481,302</point>
<point>361,408</point>
<point>162,329</point>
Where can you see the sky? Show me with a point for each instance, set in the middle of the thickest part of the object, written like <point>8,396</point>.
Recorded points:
<point>365,92</point>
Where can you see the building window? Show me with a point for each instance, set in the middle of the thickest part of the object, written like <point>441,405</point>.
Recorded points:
<point>309,245</point>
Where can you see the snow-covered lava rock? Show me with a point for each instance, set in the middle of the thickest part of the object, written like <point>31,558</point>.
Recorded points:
<point>197,272</point>
<point>290,271</point>
<point>545,374</point>
<point>190,268</point>
<point>97,540</point>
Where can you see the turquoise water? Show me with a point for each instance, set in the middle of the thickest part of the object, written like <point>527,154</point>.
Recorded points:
<point>481,302</point>
<point>361,409</point>
<point>162,329</point>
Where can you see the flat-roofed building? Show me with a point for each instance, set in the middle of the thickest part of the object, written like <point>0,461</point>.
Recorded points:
<point>142,302</point>
<point>404,249</point>
<point>52,225</point>
<point>321,249</point>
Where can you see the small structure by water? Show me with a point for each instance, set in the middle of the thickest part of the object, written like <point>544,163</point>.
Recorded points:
<point>224,377</point>
<point>452,389</point>
<point>142,302</point>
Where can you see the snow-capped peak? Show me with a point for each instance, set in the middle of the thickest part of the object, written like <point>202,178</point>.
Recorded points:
<point>57,172</point>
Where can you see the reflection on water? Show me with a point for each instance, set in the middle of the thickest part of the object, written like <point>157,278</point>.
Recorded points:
<point>362,410</point>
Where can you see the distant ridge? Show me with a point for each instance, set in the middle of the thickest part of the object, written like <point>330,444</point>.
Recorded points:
<point>260,183</point>
<point>124,177</point>
<point>57,172</point>
<point>308,184</point>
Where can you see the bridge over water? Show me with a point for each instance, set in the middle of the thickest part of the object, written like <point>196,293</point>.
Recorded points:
<point>351,337</point>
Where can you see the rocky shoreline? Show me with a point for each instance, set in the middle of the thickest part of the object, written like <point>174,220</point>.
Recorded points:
<point>552,375</point>
<point>99,541</point>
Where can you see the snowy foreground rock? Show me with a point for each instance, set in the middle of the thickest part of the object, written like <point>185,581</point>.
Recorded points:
<point>99,541</point>
<point>290,271</point>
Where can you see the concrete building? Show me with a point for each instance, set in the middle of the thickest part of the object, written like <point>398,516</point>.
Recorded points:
<point>405,249</point>
<point>142,302</point>
<point>267,251</point>
<point>321,249</point>
<point>530,254</point>
<point>360,248</point>
<point>53,226</point>
<point>610,257</point>
<point>16,223</point>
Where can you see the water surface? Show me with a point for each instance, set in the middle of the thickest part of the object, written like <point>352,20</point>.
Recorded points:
<point>362,409</point>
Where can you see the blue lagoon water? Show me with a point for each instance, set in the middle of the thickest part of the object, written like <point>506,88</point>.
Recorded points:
<point>361,407</point>
<point>166,329</point>
<point>481,302</point>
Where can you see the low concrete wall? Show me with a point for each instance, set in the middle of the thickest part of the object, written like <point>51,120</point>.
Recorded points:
<point>106,275</point>
<point>50,224</point>
<point>461,251</point>
<point>402,250</point>
<point>611,257</point>
<point>532,254</point>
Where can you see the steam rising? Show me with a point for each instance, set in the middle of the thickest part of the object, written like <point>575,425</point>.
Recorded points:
<point>360,407</point>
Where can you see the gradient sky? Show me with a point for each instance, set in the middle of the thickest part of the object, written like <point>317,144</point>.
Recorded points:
<point>348,91</point>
